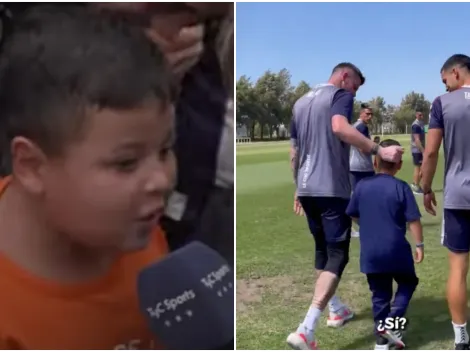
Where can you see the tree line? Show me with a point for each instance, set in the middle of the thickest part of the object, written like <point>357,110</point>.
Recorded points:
<point>264,106</point>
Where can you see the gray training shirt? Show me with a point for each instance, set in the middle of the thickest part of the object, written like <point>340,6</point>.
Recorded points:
<point>359,161</point>
<point>323,158</point>
<point>417,127</point>
<point>451,113</point>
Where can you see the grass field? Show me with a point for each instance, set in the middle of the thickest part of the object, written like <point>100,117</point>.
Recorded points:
<point>275,264</point>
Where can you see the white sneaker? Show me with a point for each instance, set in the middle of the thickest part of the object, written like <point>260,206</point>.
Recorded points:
<point>395,337</point>
<point>354,234</point>
<point>299,342</point>
<point>338,319</point>
<point>382,347</point>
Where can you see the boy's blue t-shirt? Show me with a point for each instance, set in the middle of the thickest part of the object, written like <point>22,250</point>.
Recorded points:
<point>384,205</point>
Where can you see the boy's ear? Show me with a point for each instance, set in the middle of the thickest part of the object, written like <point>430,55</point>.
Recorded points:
<point>28,164</point>
<point>400,163</point>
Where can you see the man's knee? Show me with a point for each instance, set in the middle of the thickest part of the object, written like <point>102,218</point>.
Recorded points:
<point>458,263</point>
<point>338,258</point>
<point>410,281</point>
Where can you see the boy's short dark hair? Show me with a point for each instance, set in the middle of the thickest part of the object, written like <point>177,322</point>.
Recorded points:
<point>387,165</point>
<point>60,60</point>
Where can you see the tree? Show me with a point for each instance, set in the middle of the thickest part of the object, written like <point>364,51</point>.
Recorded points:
<point>273,93</point>
<point>406,113</point>
<point>247,108</point>
<point>268,104</point>
<point>379,109</point>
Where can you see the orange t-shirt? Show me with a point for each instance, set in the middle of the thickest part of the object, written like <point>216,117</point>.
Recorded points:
<point>104,314</point>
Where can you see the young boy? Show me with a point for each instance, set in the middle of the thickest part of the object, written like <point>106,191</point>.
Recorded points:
<point>384,205</point>
<point>87,119</point>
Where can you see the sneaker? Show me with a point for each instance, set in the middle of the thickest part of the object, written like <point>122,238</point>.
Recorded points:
<point>381,343</point>
<point>394,337</point>
<point>354,233</point>
<point>299,342</point>
<point>416,189</point>
<point>462,346</point>
<point>339,318</point>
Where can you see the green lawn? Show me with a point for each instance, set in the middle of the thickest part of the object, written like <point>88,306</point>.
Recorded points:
<point>275,264</point>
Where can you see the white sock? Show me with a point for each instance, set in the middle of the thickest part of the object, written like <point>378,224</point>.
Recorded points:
<point>460,332</point>
<point>335,304</point>
<point>309,323</point>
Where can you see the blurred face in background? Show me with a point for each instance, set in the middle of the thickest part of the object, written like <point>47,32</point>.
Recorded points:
<point>366,115</point>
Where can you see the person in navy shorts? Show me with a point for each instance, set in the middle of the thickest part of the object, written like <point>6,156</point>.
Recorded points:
<point>383,206</point>
<point>449,124</point>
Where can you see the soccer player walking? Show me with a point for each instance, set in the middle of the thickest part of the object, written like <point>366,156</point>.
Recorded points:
<point>418,138</point>
<point>450,123</point>
<point>321,119</point>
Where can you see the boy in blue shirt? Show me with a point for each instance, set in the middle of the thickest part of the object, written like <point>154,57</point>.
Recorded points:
<point>384,205</point>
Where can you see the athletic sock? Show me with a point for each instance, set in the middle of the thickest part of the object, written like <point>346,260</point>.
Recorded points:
<point>335,304</point>
<point>460,332</point>
<point>310,322</point>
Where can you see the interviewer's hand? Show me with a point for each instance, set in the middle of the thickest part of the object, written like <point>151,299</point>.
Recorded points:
<point>182,47</point>
<point>429,201</point>
<point>392,153</point>
<point>298,210</point>
<point>419,254</point>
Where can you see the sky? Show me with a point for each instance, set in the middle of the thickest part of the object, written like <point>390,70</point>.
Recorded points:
<point>399,47</point>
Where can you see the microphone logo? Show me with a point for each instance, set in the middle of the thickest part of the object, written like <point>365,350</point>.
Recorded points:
<point>215,276</point>
<point>170,304</point>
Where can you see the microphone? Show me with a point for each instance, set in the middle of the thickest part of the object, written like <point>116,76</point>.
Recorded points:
<point>188,299</point>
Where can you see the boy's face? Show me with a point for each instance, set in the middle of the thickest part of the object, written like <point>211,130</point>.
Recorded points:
<point>108,190</point>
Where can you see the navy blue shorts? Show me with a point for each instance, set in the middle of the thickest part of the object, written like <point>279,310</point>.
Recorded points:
<point>417,159</point>
<point>456,230</point>
<point>329,225</point>
<point>357,176</point>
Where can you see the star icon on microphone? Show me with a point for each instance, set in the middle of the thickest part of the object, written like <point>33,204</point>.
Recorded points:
<point>224,288</point>
<point>189,313</point>
<point>229,285</point>
<point>167,323</point>
<point>219,293</point>
<point>178,318</point>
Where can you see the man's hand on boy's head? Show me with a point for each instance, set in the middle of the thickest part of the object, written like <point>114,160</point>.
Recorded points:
<point>392,153</point>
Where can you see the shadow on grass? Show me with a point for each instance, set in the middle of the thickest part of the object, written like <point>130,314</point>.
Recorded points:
<point>429,322</point>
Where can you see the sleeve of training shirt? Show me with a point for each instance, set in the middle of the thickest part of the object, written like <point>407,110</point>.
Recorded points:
<point>416,129</point>
<point>363,129</point>
<point>343,104</point>
<point>353,206</point>
<point>412,212</point>
<point>436,119</point>
<point>293,132</point>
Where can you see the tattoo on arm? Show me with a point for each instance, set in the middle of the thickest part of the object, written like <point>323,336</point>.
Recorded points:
<point>294,164</point>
